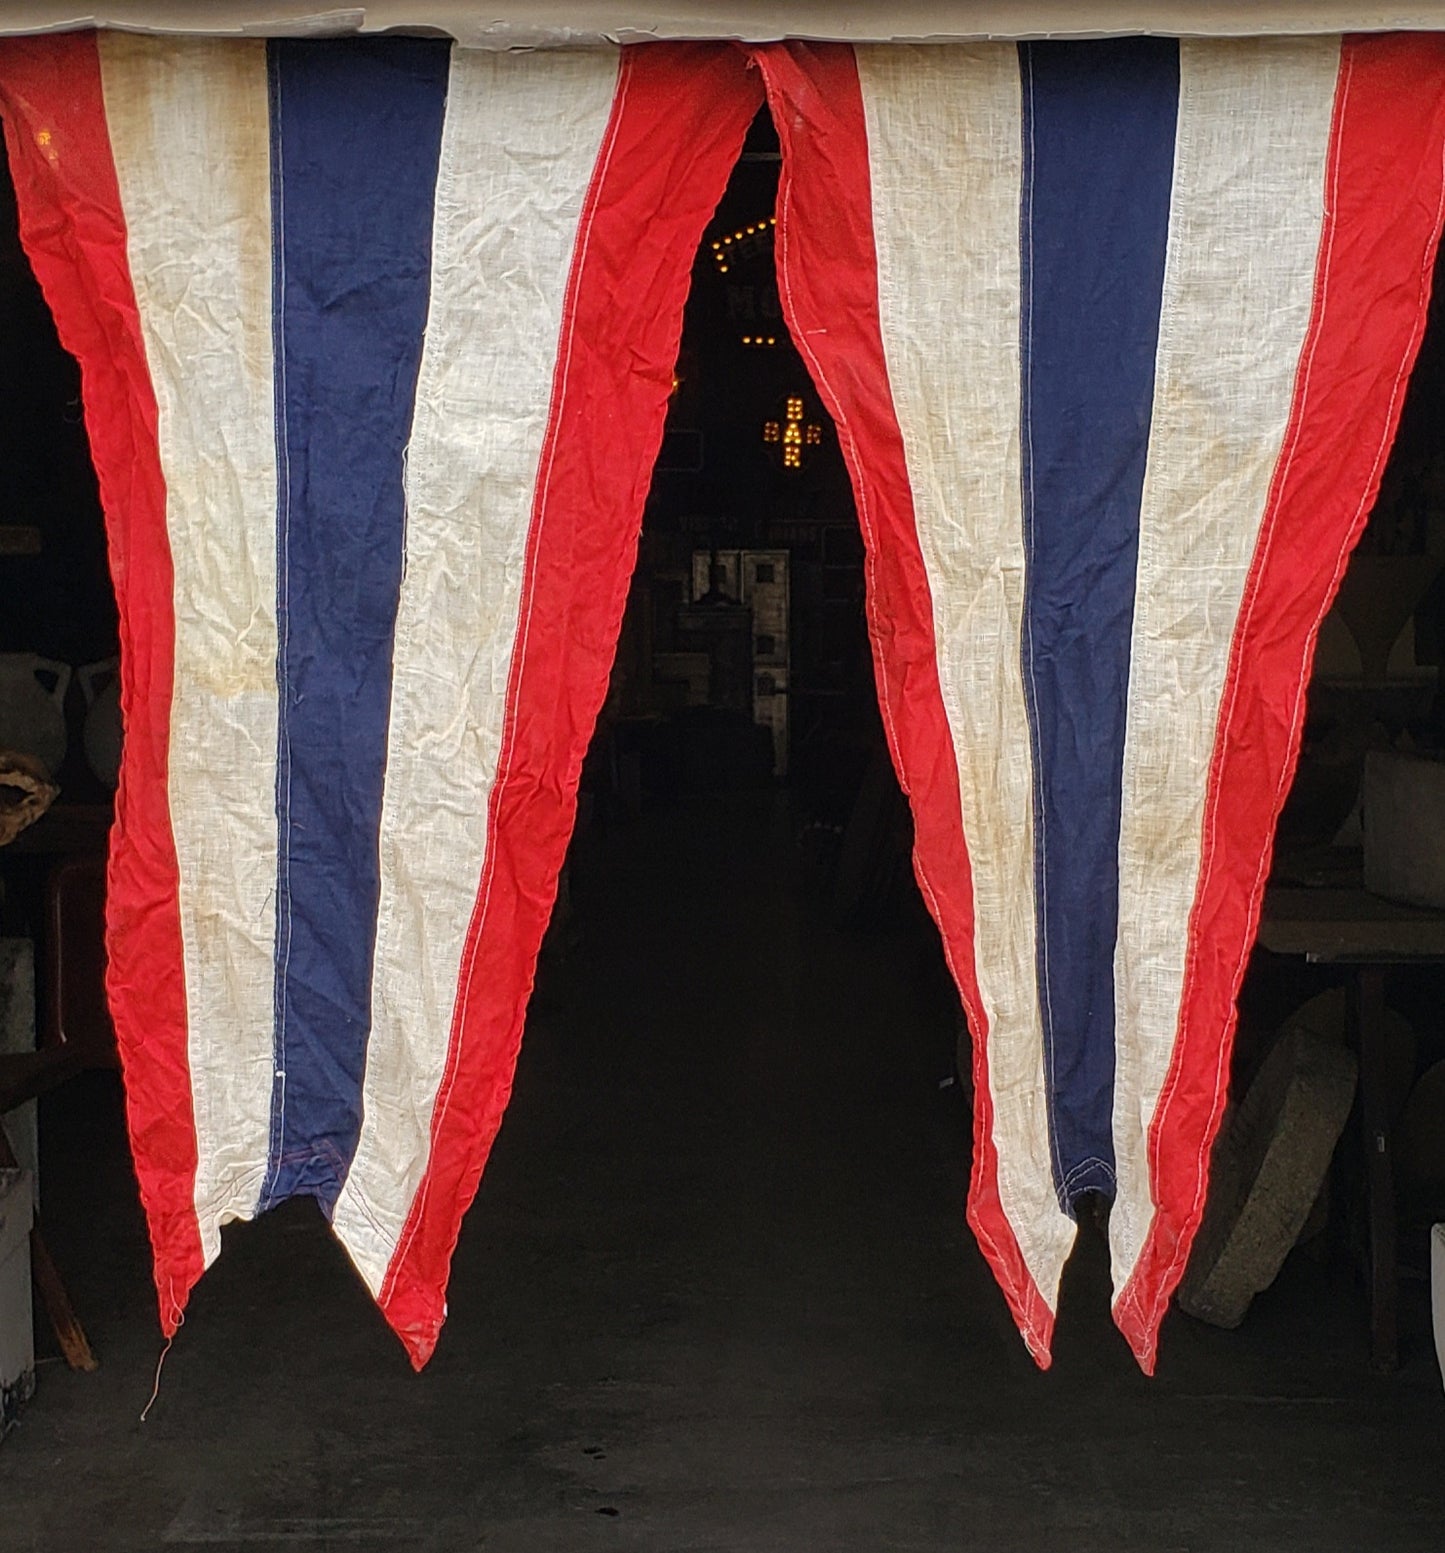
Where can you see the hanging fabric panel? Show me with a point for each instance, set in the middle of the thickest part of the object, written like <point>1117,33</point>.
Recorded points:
<point>1116,336</point>
<point>377,341</point>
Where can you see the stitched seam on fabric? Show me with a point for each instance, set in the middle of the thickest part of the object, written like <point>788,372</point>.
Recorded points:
<point>121,544</point>
<point>1146,570</point>
<point>540,500</point>
<point>1228,702</point>
<point>1133,1298</point>
<point>1301,692</point>
<point>1088,1167</point>
<point>402,649</point>
<point>1028,672</point>
<point>1023,1300</point>
<point>283,629</point>
<point>865,517</point>
<point>399,635</point>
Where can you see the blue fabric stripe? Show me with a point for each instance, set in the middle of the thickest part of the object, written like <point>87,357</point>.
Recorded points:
<point>355,139</point>
<point>1098,126</point>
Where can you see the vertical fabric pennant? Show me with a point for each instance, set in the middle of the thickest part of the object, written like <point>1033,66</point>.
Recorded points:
<point>377,339</point>
<point>542,394</point>
<point>1379,198</point>
<point>1102,324</point>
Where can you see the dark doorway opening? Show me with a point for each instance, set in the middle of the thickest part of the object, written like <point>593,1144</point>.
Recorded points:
<point>744,660</point>
<point>56,599</point>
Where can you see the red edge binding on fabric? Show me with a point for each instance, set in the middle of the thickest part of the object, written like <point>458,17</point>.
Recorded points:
<point>828,275</point>
<point>678,121</point>
<point>73,229</point>
<point>1385,197</point>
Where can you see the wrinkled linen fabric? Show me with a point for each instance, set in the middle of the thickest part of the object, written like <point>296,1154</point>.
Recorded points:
<point>377,342</point>
<point>377,339</point>
<point>1116,336</point>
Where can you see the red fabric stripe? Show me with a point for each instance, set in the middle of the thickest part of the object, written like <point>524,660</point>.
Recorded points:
<point>1384,197</point>
<point>829,277</point>
<point>73,229</point>
<point>677,126</point>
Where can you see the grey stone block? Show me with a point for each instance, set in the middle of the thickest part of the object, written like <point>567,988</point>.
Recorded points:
<point>1272,1154</point>
<point>1403,811</point>
<point>1437,1291</point>
<point>17,1034</point>
<point>17,1340</point>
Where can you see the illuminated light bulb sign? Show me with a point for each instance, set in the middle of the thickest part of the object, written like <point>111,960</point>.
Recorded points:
<point>792,434</point>
<point>745,256</point>
<point>746,243</point>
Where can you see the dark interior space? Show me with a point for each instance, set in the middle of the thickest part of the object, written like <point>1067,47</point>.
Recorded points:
<point>717,1291</point>
<point>746,609</point>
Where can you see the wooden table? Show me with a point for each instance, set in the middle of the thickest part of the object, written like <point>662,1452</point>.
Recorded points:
<point>1351,928</point>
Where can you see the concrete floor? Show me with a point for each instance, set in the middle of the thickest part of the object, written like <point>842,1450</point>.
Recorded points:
<point>716,1294</point>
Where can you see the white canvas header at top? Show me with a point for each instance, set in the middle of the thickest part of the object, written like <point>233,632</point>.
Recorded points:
<point>505,24</point>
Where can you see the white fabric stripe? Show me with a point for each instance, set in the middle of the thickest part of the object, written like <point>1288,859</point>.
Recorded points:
<point>521,137</point>
<point>1250,157</point>
<point>190,134</point>
<point>944,136</point>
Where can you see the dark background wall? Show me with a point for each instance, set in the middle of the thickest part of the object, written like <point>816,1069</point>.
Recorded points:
<point>57,602</point>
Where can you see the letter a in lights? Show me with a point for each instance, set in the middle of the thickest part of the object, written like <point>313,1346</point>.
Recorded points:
<point>792,433</point>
